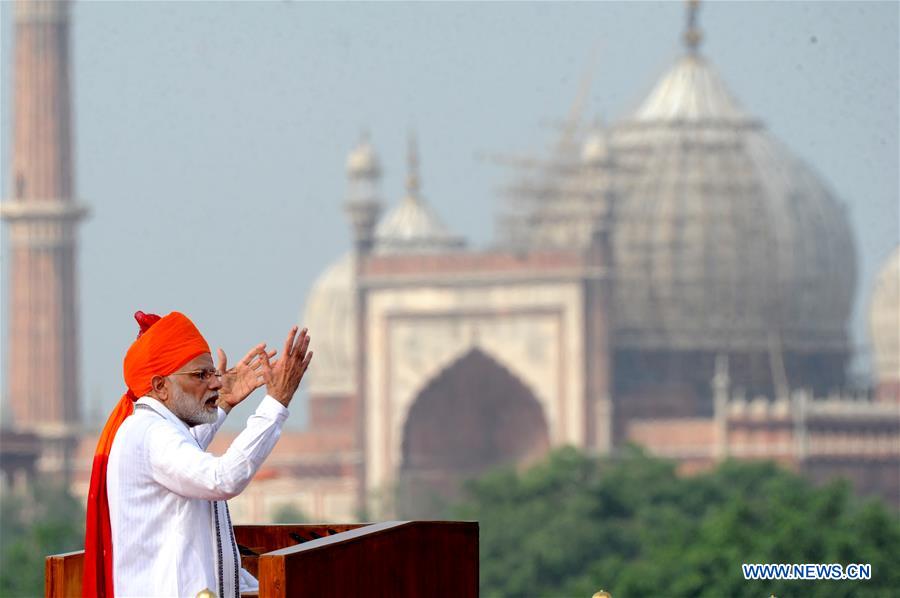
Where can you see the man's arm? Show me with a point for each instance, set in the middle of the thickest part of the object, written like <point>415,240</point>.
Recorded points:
<point>237,384</point>
<point>184,468</point>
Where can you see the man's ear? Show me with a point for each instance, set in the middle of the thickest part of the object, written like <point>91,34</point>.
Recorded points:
<point>158,388</point>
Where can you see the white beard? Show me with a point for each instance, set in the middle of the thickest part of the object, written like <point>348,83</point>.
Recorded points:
<point>188,409</point>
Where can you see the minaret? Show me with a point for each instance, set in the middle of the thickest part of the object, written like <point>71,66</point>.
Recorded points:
<point>42,216</point>
<point>363,205</point>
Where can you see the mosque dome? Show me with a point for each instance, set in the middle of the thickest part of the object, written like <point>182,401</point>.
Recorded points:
<point>884,320</point>
<point>330,315</point>
<point>721,238</point>
<point>413,227</point>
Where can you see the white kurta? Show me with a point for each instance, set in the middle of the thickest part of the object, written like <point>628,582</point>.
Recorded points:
<point>160,481</point>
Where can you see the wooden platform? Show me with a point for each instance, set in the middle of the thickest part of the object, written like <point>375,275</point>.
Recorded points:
<point>390,559</point>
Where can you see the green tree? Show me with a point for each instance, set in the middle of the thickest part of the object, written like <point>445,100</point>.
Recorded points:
<point>45,520</point>
<point>573,524</point>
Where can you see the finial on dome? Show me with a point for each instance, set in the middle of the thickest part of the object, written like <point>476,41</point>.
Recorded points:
<point>692,34</point>
<point>412,176</point>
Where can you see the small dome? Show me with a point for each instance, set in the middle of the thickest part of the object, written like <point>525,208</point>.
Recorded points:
<point>330,315</point>
<point>362,162</point>
<point>884,320</point>
<point>412,227</point>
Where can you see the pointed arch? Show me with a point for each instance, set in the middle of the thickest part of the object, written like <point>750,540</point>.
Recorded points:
<point>474,415</point>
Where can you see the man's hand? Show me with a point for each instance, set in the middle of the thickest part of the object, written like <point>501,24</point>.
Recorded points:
<point>242,379</point>
<point>283,376</point>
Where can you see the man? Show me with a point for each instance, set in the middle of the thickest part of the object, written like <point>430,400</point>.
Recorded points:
<point>157,520</point>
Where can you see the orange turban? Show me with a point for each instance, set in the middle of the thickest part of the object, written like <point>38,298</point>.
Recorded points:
<point>163,345</point>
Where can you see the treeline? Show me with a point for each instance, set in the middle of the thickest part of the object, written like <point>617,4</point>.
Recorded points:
<point>45,519</point>
<point>573,525</point>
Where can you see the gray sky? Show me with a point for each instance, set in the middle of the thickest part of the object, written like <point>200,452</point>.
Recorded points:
<point>211,137</point>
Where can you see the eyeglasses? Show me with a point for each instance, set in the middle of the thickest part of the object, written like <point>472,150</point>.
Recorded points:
<point>203,375</point>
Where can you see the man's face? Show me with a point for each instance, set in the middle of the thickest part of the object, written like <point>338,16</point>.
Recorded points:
<point>193,391</point>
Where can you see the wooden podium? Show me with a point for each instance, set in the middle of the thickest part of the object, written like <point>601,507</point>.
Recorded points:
<point>391,559</point>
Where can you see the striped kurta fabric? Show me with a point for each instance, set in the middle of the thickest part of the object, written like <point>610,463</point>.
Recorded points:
<point>171,529</point>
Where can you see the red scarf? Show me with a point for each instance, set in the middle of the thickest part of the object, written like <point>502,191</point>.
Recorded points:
<point>162,347</point>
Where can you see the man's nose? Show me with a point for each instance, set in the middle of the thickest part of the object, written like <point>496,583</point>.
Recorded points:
<point>215,382</point>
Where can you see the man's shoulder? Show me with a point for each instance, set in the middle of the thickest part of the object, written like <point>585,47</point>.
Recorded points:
<point>143,425</point>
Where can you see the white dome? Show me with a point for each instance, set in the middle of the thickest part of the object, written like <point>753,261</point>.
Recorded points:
<point>721,239</point>
<point>330,316</point>
<point>413,227</point>
<point>884,320</point>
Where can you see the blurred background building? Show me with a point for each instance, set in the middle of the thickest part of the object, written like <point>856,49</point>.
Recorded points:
<point>677,278</point>
<point>41,418</point>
